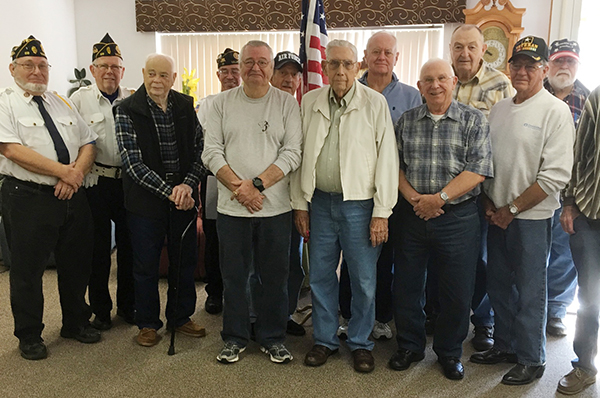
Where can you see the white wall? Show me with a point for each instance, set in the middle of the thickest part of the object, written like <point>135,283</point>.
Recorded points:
<point>52,22</point>
<point>117,17</point>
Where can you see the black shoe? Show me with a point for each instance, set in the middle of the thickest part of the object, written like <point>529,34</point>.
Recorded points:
<point>295,329</point>
<point>85,334</point>
<point>453,368</point>
<point>101,324</point>
<point>33,349</point>
<point>523,374</point>
<point>318,355</point>
<point>493,356</point>
<point>213,305</point>
<point>127,316</point>
<point>483,339</point>
<point>555,327</point>
<point>402,359</point>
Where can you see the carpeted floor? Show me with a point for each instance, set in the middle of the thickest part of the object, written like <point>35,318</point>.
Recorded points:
<point>118,367</point>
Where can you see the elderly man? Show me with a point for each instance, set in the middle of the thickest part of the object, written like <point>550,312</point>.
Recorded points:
<point>381,56</point>
<point>562,275</point>
<point>229,77</point>
<point>349,175</point>
<point>253,141</point>
<point>287,73</point>
<point>479,86</point>
<point>445,154</point>
<point>161,144</point>
<point>579,218</point>
<point>104,187</point>
<point>46,150</point>
<point>530,136</point>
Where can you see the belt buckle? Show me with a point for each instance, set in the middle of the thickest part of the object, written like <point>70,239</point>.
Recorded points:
<point>118,171</point>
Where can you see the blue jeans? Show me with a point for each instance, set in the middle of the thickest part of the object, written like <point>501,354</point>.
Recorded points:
<point>585,246</point>
<point>562,275</point>
<point>147,240</point>
<point>338,225</point>
<point>483,315</point>
<point>260,245</point>
<point>517,259</point>
<point>453,238</point>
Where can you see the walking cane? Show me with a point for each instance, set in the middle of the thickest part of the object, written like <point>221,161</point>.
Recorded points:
<point>173,326</point>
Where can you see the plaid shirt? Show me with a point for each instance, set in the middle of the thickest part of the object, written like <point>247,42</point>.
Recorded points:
<point>165,127</point>
<point>486,88</point>
<point>575,99</point>
<point>433,153</point>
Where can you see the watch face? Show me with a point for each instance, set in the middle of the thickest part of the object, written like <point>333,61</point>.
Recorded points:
<point>497,47</point>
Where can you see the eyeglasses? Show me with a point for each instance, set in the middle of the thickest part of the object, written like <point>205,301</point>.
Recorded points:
<point>335,63</point>
<point>232,72</point>
<point>262,63</point>
<point>530,68</point>
<point>30,67</point>
<point>431,80</point>
<point>105,67</point>
<point>565,60</point>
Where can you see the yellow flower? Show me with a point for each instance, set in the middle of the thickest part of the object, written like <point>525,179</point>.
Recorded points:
<point>189,84</point>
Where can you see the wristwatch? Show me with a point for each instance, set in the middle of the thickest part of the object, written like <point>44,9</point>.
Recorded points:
<point>258,184</point>
<point>514,210</point>
<point>444,196</point>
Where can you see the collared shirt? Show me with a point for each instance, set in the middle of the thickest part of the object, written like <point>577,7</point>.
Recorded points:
<point>165,127</point>
<point>21,123</point>
<point>328,162</point>
<point>433,153</point>
<point>484,90</point>
<point>399,96</point>
<point>575,99</point>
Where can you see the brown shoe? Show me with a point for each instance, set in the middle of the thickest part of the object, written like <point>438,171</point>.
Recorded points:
<point>363,361</point>
<point>575,381</point>
<point>318,355</point>
<point>191,329</point>
<point>147,337</point>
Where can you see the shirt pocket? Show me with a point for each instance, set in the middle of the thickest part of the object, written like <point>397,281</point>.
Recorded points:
<point>67,126</point>
<point>96,122</point>
<point>33,132</point>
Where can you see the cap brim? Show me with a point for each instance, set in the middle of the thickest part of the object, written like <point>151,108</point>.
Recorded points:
<point>561,54</point>
<point>531,54</point>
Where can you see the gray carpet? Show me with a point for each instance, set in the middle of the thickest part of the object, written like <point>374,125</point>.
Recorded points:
<point>118,367</point>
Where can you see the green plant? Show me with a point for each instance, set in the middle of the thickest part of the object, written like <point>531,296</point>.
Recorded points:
<point>79,81</point>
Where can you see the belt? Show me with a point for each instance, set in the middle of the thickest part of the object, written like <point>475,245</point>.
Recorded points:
<point>32,185</point>
<point>106,171</point>
<point>450,207</point>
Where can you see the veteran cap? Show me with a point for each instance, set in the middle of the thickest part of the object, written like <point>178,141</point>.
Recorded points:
<point>228,57</point>
<point>106,48</point>
<point>564,48</point>
<point>286,57</point>
<point>531,46</point>
<point>30,47</point>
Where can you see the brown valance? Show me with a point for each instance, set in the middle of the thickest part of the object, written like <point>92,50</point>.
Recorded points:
<point>255,15</point>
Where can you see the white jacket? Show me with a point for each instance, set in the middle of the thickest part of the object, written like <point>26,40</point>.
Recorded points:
<point>368,150</point>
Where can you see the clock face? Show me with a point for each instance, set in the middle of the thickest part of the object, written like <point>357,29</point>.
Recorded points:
<point>495,55</point>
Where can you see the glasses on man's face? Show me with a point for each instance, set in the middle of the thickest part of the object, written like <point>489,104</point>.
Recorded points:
<point>530,68</point>
<point>335,63</point>
<point>105,67</point>
<point>30,67</point>
<point>441,80</point>
<point>569,61</point>
<point>232,72</point>
<point>262,63</point>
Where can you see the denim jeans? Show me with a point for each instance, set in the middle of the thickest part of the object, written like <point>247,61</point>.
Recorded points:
<point>517,260</point>
<point>453,238</point>
<point>338,225</point>
<point>562,275</point>
<point>296,271</point>
<point>260,245</point>
<point>483,315</point>
<point>585,246</point>
<point>147,239</point>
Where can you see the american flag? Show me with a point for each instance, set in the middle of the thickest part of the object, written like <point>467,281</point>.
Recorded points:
<point>313,40</point>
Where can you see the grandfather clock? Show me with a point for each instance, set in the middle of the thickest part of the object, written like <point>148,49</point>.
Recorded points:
<point>501,24</point>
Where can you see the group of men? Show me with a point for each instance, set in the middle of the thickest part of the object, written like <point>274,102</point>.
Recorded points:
<point>360,163</point>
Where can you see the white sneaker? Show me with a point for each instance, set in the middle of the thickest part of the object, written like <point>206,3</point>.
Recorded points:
<point>381,331</point>
<point>342,331</point>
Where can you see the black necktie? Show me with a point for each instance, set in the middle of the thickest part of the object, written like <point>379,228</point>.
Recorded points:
<point>59,144</point>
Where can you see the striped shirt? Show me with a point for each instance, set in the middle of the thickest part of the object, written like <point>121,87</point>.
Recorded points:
<point>575,99</point>
<point>484,90</point>
<point>432,153</point>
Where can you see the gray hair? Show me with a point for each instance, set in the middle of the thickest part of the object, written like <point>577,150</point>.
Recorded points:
<point>382,33</point>
<point>468,27</point>
<point>257,43</point>
<point>341,43</point>
<point>435,61</point>
<point>152,56</point>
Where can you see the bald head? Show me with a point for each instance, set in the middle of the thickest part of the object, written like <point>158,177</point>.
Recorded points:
<point>159,76</point>
<point>436,83</point>
<point>436,64</point>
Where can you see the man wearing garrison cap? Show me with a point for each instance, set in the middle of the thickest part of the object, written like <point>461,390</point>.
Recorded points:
<point>104,185</point>
<point>229,75</point>
<point>46,149</point>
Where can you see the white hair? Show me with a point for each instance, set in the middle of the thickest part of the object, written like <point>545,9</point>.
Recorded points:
<point>340,43</point>
<point>153,56</point>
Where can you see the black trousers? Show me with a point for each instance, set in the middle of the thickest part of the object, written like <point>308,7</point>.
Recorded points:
<point>214,281</point>
<point>106,204</point>
<point>37,223</point>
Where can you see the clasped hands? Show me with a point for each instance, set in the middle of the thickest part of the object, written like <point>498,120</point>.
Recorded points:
<point>69,183</point>
<point>182,197</point>
<point>499,217</point>
<point>427,207</point>
<point>247,195</point>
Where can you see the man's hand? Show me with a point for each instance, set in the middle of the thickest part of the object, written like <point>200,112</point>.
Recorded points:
<point>488,208</point>
<point>182,197</point>
<point>247,195</point>
<point>567,216</point>
<point>428,206</point>
<point>302,221</point>
<point>379,230</point>
<point>72,176</point>
<point>63,191</point>
<point>501,217</point>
